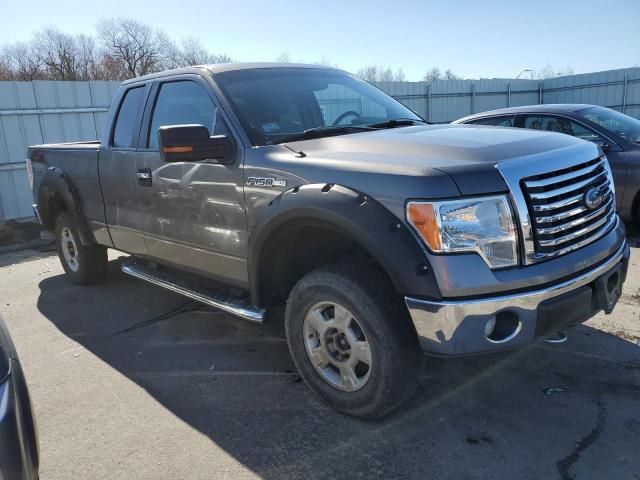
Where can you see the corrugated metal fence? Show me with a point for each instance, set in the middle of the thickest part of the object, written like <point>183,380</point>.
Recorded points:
<point>43,112</point>
<point>447,100</point>
<point>48,112</point>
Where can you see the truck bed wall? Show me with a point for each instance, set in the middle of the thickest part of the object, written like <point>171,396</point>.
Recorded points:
<point>80,163</point>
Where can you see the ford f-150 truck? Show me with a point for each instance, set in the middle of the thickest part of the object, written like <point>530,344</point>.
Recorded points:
<point>301,194</point>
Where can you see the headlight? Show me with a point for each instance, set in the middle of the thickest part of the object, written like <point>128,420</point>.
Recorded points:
<point>483,225</point>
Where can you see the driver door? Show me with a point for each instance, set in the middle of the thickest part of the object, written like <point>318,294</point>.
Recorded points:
<point>192,212</point>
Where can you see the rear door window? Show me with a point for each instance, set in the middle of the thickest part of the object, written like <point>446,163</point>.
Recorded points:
<point>551,123</point>
<point>502,121</point>
<point>127,120</point>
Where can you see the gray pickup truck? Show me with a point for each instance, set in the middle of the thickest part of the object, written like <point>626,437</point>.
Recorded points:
<point>301,194</point>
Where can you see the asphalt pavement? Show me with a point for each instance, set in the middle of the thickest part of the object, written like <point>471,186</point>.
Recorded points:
<point>130,381</point>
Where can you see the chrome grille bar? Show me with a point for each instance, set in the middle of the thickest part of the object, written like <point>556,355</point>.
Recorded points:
<point>548,207</point>
<point>579,186</point>
<point>577,222</point>
<point>573,235</point>
<point>561,220</point>
<point>565,177</point>
<point>561,216</point>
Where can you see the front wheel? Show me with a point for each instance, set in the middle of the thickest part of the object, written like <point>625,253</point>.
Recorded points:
<point>351,341</point>
<point>84,264</point>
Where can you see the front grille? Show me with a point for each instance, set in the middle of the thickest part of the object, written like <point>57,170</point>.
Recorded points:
<point>561,221</point>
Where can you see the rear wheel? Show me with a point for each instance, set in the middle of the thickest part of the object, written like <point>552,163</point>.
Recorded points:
<point>84,265</point>
<point>352,342</point>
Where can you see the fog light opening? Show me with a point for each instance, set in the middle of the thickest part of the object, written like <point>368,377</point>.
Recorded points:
<point>502,327</point>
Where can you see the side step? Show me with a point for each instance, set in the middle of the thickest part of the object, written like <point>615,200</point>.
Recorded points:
<point>217,298</point>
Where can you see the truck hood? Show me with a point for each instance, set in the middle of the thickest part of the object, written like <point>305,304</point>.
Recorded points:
<point>467,153</point>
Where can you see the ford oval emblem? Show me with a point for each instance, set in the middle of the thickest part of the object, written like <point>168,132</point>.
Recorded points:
<point>593,198</point>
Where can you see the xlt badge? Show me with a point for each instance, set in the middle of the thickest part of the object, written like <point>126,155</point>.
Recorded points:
<point>265,182</point>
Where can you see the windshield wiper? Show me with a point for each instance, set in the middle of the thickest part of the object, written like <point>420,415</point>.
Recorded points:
<point>322,131</point>
<point>397,122</point>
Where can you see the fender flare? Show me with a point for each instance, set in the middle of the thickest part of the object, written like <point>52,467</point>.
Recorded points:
<point>391,243</point>
<point>56,182</point>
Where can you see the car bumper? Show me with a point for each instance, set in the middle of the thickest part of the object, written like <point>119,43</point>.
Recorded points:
<point>18,438</point>
<point>459,327</point>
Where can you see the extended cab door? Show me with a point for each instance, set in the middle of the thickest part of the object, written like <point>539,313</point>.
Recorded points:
<point>192,213</point>
<point>117,164</point>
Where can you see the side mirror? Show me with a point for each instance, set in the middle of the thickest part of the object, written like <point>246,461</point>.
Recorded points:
<point>604,146</point>
<point>192,143</point>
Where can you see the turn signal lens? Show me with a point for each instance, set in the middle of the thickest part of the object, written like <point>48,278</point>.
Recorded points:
<point>178,149</point>
<point>423,217</point>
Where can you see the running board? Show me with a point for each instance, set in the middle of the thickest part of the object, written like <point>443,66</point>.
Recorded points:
<point>216,298</point>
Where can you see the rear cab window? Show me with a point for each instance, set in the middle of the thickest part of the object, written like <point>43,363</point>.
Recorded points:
<point>127,119</point>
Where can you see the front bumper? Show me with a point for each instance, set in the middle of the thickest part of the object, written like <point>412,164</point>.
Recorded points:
<point>457,327</point>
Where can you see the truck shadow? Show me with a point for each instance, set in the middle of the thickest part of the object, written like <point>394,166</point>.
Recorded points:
<point>479,417</point>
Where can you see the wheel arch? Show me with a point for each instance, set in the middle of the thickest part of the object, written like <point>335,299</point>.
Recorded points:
<point>57,193</point>
<point>324,219</point>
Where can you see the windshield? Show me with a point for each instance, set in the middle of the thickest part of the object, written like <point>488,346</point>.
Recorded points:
<point>276,104</point>
<point>624,125</point>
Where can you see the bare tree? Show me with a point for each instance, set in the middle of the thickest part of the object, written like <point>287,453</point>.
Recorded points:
<point>24,62</point>
<point>325,62</point>
<point>449,75</point>
<point>88,58</point>
<point>142,49</point>
<point>549,72</point>
<point>284,57</point>
<point>385,75</point>
<point>6,72</point>
<point>433,75</point>
<point>124,48</point>
<point>110,68</point>
<point>375,73</point>
<point>221,58</point>
<point>65,57</point>
<point>192,52</point>
<point>368,73</point>
<point>436,74</point>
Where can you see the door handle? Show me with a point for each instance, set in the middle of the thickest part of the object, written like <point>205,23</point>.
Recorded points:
<point>143,177</point>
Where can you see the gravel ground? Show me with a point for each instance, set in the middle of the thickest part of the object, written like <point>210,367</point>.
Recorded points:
<point>131,381</point>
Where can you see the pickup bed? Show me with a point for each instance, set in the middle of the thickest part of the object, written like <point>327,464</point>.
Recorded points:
<point>301,195</point>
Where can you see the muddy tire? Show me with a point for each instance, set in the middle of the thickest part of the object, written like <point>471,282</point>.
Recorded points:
<point>352,340</point>
<point>84,265</point>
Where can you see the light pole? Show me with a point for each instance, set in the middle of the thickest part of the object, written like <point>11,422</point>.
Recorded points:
<point>523,71</point>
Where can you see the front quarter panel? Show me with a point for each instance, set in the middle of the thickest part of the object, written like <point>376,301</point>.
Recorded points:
<point>352,213</point>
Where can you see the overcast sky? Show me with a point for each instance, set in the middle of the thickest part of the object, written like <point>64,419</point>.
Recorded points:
<point>475,39</point>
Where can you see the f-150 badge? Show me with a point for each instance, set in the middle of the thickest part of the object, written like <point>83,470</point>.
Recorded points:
<point>265,182</point>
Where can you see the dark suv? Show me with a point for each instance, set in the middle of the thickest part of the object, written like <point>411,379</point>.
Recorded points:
<point>616,133</point>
